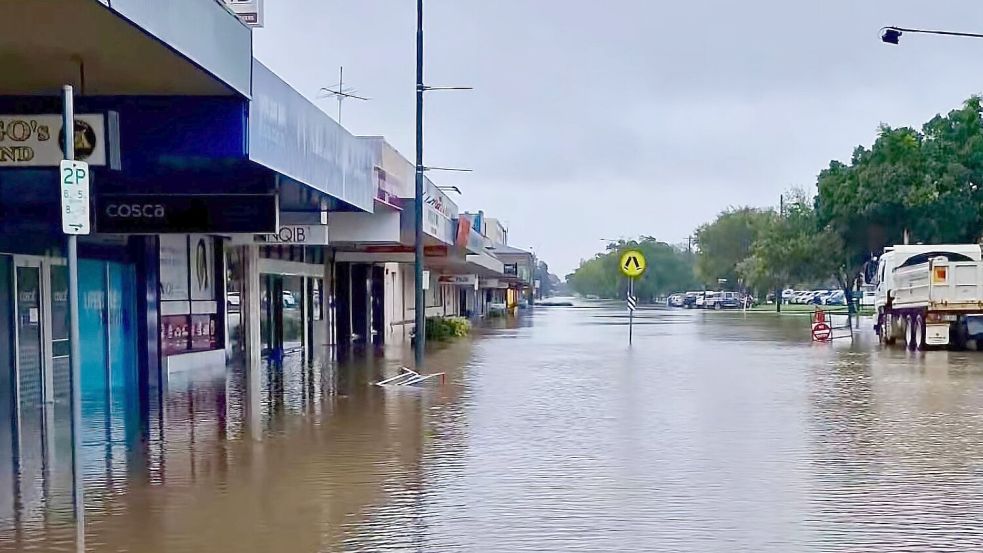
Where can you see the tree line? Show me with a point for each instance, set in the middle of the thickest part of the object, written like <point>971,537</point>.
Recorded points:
<point>670,268</point>
<point>910,186</point>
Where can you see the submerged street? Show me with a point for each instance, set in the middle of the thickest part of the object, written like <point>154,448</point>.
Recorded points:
<point>715,432</point>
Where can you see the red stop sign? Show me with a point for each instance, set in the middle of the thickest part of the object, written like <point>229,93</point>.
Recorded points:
<point>821,332</point>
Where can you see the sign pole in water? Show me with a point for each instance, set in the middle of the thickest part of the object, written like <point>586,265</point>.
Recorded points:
<point>73,177</point>
<point>632,265</point>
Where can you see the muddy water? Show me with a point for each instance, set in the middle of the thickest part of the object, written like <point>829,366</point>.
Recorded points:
<point>715,432</point>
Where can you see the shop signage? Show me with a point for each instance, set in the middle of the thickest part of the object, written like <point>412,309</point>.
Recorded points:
<point>460,280</point>
<point>428,251</point>
<point>467,237</point>
<point>185,213</point>
<point>34,140</point>
<point>305,235</point>
<point>249,11</point>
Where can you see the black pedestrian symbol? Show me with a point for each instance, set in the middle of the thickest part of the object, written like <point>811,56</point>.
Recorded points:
<point>633,261</point>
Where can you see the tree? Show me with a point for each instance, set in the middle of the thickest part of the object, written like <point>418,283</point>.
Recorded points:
<point>791,248</point>
<point>547,281</point>
<point>727,241</point>
<point>909,186</point>
<point>670,269</point>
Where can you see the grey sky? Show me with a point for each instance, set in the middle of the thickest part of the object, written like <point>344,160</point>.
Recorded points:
<point>607,119</point>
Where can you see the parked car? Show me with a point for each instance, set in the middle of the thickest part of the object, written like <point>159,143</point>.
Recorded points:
<point>689,299</point>
<point>803,297</point>
<point>867,299</point>
<point>729,300</point>
<point>711,300</point>
<point>675,300</point>
<point>819,296</point>
<point>288,299</point>
<point>836,298</point>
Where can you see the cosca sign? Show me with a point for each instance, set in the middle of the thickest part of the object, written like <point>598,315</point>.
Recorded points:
<point>135,211</point>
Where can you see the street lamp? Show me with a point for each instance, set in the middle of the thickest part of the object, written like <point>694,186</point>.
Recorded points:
<point>892,35</point>
<point>420,303</point>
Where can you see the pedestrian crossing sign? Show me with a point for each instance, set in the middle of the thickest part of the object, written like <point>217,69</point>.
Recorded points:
<point>632,263</point>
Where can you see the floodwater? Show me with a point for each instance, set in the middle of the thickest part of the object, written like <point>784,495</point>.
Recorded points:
<point>714,432</point>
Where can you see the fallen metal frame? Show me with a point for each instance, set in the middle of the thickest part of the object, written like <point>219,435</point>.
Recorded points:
<point>409,377</point>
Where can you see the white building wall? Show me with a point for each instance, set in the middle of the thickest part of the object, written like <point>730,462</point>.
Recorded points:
<point>396,328</point>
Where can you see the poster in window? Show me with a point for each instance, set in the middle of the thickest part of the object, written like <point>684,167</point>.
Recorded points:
<point>202,267</point>
<point>173,267</point>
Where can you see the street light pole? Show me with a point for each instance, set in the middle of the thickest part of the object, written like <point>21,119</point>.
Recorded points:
<point>892,35</point>
<point>421,307</point>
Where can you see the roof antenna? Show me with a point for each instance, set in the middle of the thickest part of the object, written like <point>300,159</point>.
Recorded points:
<point>341,93</point>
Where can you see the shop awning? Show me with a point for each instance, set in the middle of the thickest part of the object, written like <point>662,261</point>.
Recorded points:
<point>123,47</point>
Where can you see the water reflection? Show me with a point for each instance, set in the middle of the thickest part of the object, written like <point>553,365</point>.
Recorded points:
<point>715,432</point>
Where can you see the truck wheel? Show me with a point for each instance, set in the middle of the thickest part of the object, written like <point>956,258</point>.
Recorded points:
<point>887,329</point>
<point>919,333</point>
<point>909,332</point>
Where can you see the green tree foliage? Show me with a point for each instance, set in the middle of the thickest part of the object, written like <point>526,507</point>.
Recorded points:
<point>669,270</point>
<point>726,242</point>
<point>791,249</point>
<point>923,184</point>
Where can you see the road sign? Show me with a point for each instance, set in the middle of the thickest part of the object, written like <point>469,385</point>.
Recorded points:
<point>821,332</point>
<point>74,178</point>
<point>632,263</point>
<point>632,303</point>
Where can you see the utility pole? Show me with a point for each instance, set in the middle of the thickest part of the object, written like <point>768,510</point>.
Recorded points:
<point>778,291</point>
<point>421,306</point>
<point>421,169</point>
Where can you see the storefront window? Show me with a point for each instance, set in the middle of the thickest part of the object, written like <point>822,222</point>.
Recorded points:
<point>188,289</point>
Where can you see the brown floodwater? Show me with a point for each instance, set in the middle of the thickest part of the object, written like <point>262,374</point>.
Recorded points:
<point>714,432</point>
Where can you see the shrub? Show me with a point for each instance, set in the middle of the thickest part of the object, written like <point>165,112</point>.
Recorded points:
<point>445,328</point>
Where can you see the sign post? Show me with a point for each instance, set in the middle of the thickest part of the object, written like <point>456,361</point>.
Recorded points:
<point>74,178</point>
<point>632,265</point>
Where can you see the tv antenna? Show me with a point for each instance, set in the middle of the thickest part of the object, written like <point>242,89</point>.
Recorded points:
<point>341,93</point>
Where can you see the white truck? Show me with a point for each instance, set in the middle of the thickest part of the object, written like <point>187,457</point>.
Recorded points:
<point>930,295</point>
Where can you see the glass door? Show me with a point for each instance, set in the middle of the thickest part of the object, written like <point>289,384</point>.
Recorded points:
<point>31,440</point>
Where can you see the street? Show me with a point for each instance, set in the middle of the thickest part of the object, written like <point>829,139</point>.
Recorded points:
<point>714,432</point>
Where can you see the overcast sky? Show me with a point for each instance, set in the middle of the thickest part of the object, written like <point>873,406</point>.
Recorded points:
<point>613,119</point>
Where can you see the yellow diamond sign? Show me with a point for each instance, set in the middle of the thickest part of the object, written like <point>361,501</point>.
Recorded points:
<point>632,263</point>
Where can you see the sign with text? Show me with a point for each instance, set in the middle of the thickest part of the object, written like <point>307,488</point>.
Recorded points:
<point>74,177</point>
<point>304,235</point>
<point>35,140</point>
<point>460,280</point>
<point>249,11</point>
<point>186,213</point>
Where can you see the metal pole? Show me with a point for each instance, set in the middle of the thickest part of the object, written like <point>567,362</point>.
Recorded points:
<point>421,307</point>
<point>631,312</point>
<point>78,490</point>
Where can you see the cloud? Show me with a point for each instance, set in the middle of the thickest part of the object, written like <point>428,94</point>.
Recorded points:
<point>628,117</point>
